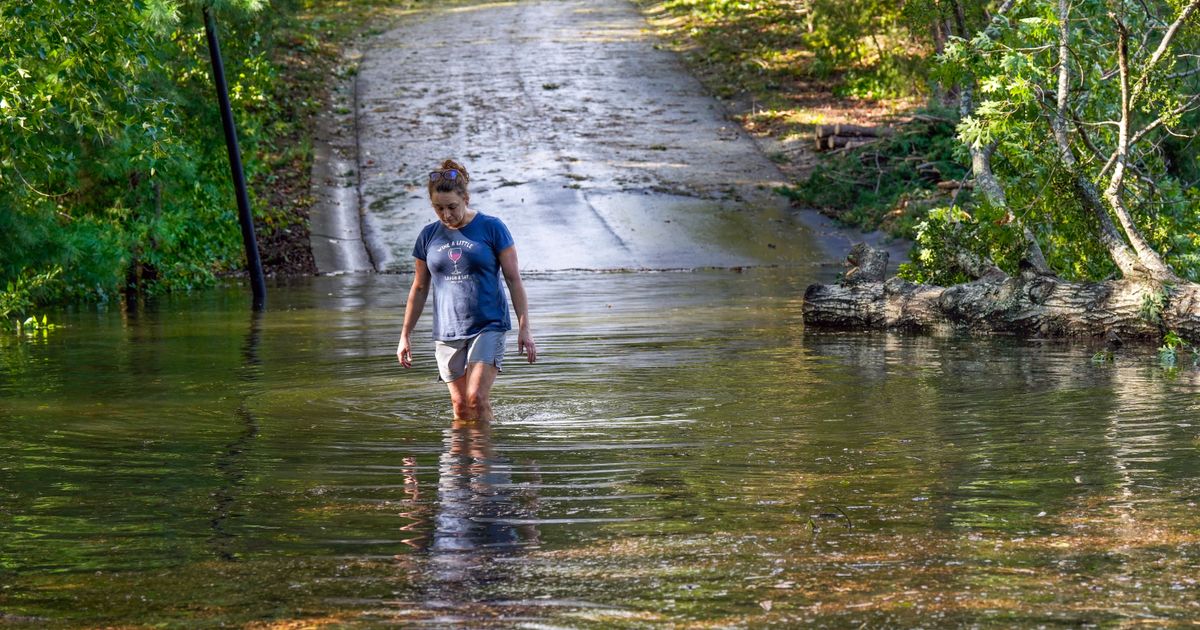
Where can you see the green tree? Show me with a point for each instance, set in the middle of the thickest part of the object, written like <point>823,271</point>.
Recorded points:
<point>109,169</point>
<point>1077,120</point>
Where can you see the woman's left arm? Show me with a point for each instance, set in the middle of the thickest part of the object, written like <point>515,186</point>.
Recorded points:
<point>512,276</point>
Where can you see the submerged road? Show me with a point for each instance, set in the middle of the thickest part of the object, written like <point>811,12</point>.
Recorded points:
<point>597,148</point>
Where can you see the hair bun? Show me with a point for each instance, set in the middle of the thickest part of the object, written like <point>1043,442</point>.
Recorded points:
<point>448,164</point>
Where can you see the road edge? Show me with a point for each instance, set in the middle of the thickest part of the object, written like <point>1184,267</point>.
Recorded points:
<point>336,220</point>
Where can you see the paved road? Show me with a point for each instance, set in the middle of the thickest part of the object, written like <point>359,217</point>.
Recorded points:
<point>597,149</point>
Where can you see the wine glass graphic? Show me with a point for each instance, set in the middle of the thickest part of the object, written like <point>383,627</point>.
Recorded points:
<point>455,254</point>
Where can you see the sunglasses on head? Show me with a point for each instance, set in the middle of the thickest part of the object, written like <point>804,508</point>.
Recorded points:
<point>448,174</point>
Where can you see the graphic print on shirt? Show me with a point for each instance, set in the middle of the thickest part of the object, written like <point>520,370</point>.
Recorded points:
<point>454,252</point>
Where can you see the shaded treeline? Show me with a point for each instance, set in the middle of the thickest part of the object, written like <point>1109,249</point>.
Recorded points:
<point>113,172</point>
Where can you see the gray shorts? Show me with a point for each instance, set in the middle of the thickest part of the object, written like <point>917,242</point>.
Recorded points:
<point>454,356</point>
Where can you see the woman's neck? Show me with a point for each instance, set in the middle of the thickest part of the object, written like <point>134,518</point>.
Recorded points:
<point>470,216</point>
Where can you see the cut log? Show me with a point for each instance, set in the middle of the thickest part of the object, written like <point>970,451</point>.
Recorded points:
<point>838,142</point>
<point>932,119</point>
<point>929,172</point>
<point>955,184</point>
<point>853,131</point>
<point>1028,304</point>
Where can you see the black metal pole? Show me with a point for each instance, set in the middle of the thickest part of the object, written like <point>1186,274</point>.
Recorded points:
<point>253,262</point>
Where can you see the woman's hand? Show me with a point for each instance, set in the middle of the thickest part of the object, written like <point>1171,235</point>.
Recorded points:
<point>412,310</point>
<point>404,352</point>
<point>525,345</point>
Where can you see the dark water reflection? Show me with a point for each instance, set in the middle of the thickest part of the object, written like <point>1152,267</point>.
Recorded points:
<point>684,454</point>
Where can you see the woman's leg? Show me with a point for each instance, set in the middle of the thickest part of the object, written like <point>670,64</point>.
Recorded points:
<point>480,359</point>
<point>458,398</point>
<point>479,380</point>
<point>470,394</point>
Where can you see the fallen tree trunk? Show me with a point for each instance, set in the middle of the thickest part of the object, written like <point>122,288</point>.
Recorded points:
<point>1028,304</point>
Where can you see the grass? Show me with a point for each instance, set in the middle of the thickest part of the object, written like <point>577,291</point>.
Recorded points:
<point>761,52</point>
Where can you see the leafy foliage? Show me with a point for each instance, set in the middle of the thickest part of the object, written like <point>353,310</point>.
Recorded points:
<point>1009,67</point>
<point>1014,70</point>
<point>106,129</point>
<point>112,161</point>
<point>20,297</point>
<point>1173,344</point>
<point>877,48</point>
<point>890,183</point>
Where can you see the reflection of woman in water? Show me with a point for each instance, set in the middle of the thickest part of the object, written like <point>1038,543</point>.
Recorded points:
<point>476,516</point>
<point>463,253</point>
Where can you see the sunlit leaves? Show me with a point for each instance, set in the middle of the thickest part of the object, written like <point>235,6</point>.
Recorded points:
<point>974,132</point>
<point>159,15</point>
<point>866,47</point>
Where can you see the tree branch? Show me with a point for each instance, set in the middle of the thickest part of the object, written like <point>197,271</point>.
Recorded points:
<point>1122,150</point>
<point>1120,252</point>
<point>1190,104</point>
<point>1099,155</point>
<point>1059,123</point>
<point>1087,141</point>
<point>1162,48</point>
<point>986,180</point>
<point>1183,74</point>
<point>1137,137</point>
<point>1113,194</point>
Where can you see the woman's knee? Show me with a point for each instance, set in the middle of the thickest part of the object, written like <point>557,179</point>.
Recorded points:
<point>461,403</point>
<point>477,400</point>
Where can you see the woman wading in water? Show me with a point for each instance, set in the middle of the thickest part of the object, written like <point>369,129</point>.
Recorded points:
<point>463,253</point>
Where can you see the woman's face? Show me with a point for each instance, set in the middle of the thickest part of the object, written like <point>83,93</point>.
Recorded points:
<point>451,208</point>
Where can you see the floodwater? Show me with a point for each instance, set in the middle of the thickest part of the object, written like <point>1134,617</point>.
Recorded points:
<point>685,454</point>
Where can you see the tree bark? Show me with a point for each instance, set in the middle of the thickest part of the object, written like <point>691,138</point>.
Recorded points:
<point>1028,304</point>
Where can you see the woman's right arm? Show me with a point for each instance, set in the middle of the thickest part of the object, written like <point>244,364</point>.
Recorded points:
<point>412,312</point>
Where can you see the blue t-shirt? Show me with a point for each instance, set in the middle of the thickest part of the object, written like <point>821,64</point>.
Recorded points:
<point>468,297</point>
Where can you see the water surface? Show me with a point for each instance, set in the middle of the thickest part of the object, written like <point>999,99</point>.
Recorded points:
<point>684,454</point>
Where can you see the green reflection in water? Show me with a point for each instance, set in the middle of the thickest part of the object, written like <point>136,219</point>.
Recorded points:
<point>684,453</point>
